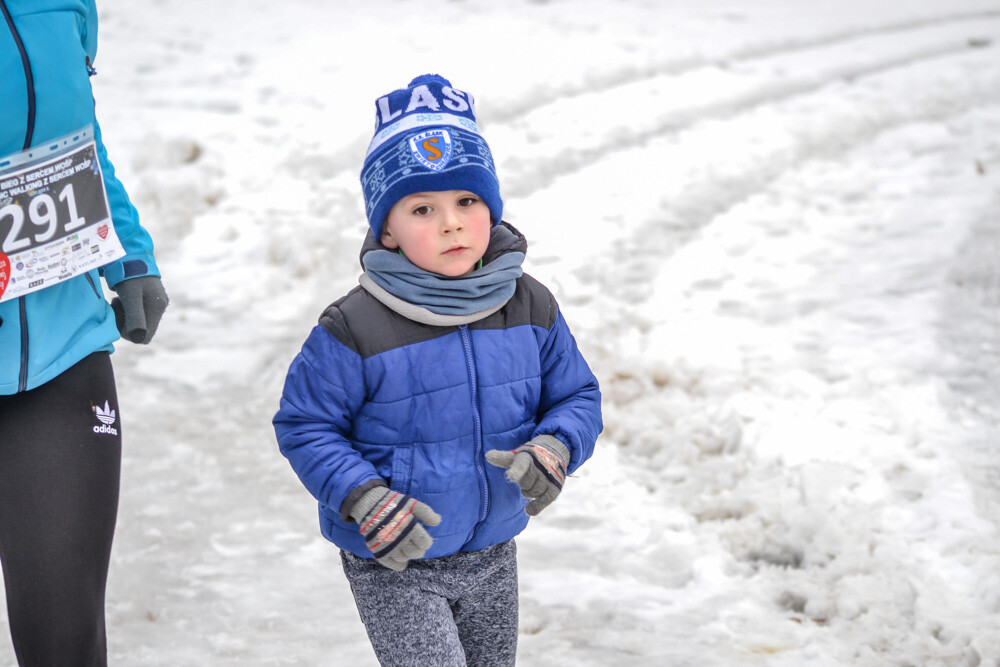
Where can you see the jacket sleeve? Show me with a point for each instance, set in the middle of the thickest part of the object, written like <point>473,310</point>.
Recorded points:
<point>570,407</point>
<point>323,391</point>
<point>138,245</point>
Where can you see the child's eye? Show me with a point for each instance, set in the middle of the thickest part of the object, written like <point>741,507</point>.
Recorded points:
<point>467,201</point>
<point>422,210</point>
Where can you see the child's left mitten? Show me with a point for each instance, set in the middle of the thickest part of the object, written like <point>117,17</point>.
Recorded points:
<point>538,467</point>
<point>392,524</point>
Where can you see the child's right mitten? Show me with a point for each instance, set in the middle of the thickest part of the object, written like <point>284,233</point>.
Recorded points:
<point>392,524</point>
<point>538,467</point>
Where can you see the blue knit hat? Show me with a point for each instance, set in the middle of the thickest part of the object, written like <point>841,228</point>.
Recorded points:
<point>426,140</point>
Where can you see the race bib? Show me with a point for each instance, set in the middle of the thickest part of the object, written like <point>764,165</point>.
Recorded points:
<point>55,221</point>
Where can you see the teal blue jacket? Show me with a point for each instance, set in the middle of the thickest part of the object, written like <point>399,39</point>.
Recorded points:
<point>46,51</point>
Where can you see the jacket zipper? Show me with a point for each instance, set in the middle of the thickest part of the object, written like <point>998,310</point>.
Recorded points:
<point>93,286</point>
<point>22,378</point>
<point>29,79</point>
<point>477,435</point>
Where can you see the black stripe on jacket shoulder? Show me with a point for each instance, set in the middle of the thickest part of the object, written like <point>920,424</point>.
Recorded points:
<point>365,325</point>
<point>531,304</point>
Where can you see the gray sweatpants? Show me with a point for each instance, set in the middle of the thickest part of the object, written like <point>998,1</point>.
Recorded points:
<point>449,611</point>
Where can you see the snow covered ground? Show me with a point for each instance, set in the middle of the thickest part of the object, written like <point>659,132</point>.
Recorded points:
<point>774,227</point>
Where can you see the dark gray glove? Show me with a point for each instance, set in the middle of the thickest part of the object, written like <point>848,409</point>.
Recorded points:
<point>538,467</point>
<point>138,307</point>
<point>392,524</point>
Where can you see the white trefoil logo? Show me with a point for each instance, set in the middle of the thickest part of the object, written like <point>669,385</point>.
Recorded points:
<point>107,417</point>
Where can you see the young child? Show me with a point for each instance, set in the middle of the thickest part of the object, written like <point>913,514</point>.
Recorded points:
<point>437,398</point>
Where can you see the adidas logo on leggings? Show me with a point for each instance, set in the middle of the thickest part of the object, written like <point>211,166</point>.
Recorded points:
<point>107,417</point>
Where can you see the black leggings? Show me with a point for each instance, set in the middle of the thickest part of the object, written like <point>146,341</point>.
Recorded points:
<point>60,462</point>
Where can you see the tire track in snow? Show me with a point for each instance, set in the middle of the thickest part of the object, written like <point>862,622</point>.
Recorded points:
<point>620,281</point>
<point>751,81</point>
<point>752,529</point>
<point>852,34</point>
<point>623,271</point>
<point>606,82</point>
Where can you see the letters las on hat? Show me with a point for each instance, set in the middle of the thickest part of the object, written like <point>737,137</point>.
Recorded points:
<point>426,140</point>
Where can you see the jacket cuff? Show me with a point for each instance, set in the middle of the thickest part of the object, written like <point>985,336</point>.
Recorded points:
<point>130,266</point>
<point>554,445</point>
<point>355,495</point>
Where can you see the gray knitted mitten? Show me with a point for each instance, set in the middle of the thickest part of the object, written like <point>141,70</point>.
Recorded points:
<point>538,467</point>
<point>392,524</point>
<point>138,307</point>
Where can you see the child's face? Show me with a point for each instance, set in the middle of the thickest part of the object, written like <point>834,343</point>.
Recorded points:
<point>441,232</point>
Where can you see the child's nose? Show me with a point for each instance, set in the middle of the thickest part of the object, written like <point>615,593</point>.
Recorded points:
<point>452,220</point>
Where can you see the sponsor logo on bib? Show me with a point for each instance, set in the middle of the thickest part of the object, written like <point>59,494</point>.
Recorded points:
<point>4,273</point>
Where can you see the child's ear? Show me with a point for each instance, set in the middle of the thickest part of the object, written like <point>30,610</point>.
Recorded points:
<point>388,241</point>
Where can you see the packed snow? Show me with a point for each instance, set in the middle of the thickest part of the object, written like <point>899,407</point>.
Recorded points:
<point>774,227</point>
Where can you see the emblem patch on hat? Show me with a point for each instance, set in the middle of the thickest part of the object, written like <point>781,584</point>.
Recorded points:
<point>432,148</point>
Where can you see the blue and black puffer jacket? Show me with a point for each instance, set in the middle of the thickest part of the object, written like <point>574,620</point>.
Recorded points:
<point>376,396</point>
<point>46,47</point>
